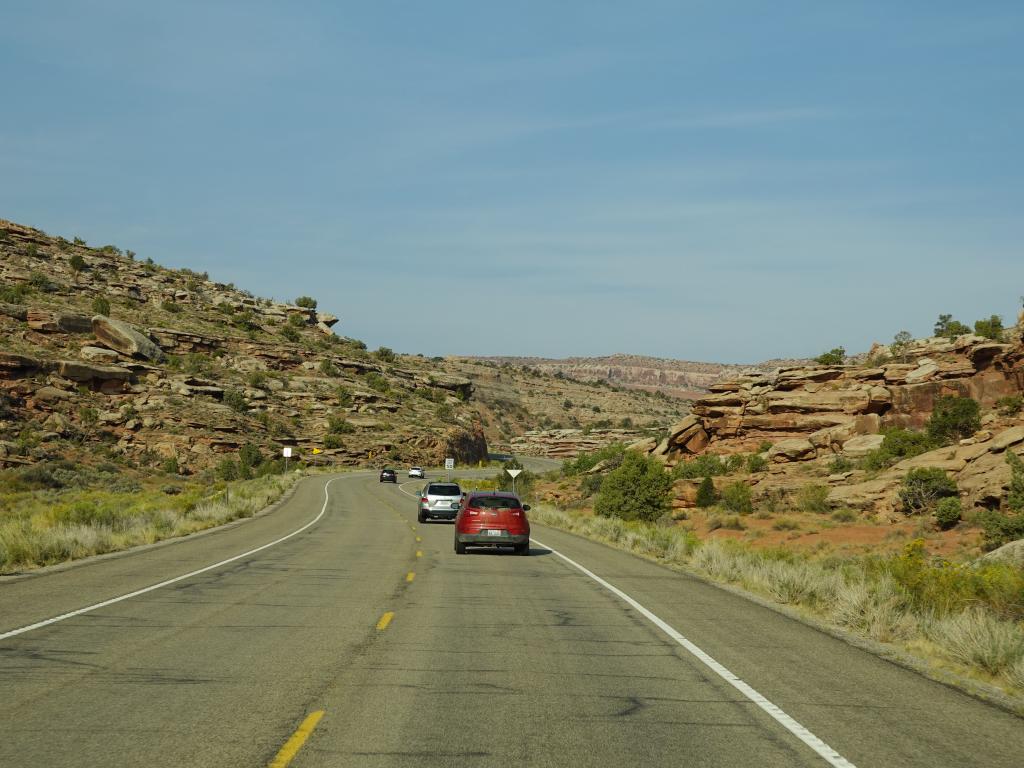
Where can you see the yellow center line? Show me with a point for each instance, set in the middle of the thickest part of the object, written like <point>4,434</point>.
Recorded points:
<point>419,538</point>
<point>410,576</point>
<point>419,553</point>
<point>294,744</point>
<point>385,620</point>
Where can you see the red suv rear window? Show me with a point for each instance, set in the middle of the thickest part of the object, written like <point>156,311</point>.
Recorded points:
<point>495,502</point>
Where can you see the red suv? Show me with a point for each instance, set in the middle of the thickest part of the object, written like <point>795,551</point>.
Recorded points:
<point>492,519</point>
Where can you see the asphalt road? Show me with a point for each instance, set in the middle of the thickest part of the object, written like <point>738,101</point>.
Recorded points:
<point>365,641</point>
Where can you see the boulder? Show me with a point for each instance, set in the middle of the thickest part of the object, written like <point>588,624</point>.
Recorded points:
<point>16,311</point>
<point>86,372</point>
<point>795,449</point>
<point>1006,438</point>
<point>862,445</point>
<point>926,370</point>
<point>98,355</point>
<point>125,339</point>
<point>1011,553</point>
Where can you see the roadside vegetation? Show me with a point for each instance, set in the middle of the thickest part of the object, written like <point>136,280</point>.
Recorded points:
<point>59,511</point>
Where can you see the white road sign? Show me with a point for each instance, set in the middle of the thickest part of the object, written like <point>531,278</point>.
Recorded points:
<point>449,463</point>
<point>514,472</point>
<point>286,452</point>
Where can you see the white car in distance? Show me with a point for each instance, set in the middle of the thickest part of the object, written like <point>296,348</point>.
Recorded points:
<point>417,472</point>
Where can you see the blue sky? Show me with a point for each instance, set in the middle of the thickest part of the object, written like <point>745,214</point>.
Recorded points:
<point>722,181</point>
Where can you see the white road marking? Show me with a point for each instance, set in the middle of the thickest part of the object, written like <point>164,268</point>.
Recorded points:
<point>820,747</point>
<point>150,588</point>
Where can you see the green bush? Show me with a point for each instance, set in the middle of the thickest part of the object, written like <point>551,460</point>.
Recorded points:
<point>14,294</point>
<point>591,484</point>
<point>170,306</point>
<point>756,463</point>
<point>249,457</point>
<point>586,461</point>
<point>1015,495</point>
<point>235,400</point>
<point>377,382</point>
<point>306,301</point>
<point>897,444</point>
<point>949,328</point>
<point>1010,406</point>
<point>524,481</point>
<point>332,440</point>
<point>291,333</point>
<point>337,425</point>
<point>296,320</point>
<point>705,465</point>
<point>834,356</point>
<point>227,469</point>
<point>386,354</point>
<point>948,512</point>
<point>736,497</point>
<point>839,465</point>
<point>707,496</point>
<point>813,498</point>
<point>922,489</point>
<point>991,328</point>
<point>953,418</point>
<point>998,528</point>
<point>170,466</point>
<point>101,306</point>
<point>639,489</point>
<point>327,368</point>
<point>77,263</point>
<point>257,380</point>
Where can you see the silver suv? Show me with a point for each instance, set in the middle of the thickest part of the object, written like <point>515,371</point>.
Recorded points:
<point>439,500</point>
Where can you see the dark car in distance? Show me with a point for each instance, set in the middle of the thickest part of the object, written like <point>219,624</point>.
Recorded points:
<point>492,519</point>
<point>388,476</point>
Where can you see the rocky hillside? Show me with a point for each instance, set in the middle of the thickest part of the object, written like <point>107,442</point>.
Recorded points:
<point>107,356</point>
<point>676,378</point>
<point>814,423</point>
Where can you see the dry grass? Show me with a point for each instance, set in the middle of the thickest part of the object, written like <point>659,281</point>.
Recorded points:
<point>43,528</point>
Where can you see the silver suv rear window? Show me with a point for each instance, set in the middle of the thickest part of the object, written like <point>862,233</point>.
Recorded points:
<point>444,490</point>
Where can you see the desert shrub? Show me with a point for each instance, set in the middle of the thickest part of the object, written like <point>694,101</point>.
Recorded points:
<point>332,440</point>
<point>306,301</point>
<point>948,327</point>
<point>990,328</point>
<point>227,469</point>
<point>900,344</point>
<point>736,497</point>
<point>947,512</point>
<point>834,356</point>
<point>290,333</point>
<point>196,363</point>
<point>785,524</point>
<point>235,400</point>
<point>587,461</point>
<point>978,639</point>
<point>170,466</point>
<point>14,294</point>
<point>839,465</point>
<point>386,354</point>
<point>249,457</point>
<point>813,498</point>
<point>257,379</point>
<point>953,418</point>
<point>706,465</point>
<point>1010,406</point>
<point>41,282</point>
<point>297,321</point>
<point>707,496</point>
<point>844,515</point>
<point>923,487</point>
<point>337,425</point>
<point>376,382</point>
<point>897,444</point>
<point>76,262</point>
<point>756,463</point>
<point>88,415</point>
<point>639,489</point>
<point>328,368</point>
<point>591,484</point>
<point>344,396</point>
<point>1015,494</point>
<point>170,306</point>
<point>101,306</point>
<point>998,528</point>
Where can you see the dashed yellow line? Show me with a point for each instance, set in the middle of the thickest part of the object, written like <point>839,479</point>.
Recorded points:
<point>419,538</point>
<point>419,553</point>
<point>294,744</point>
<point>385,620</point>
<point>410,576</point>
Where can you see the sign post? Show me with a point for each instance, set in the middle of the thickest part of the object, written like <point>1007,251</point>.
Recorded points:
<point>287,453</point>
<point>514,473</point>
<point>449,465</point>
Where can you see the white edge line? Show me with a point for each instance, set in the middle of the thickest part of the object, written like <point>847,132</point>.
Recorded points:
<point>820,747</point>
<point>151,587</point>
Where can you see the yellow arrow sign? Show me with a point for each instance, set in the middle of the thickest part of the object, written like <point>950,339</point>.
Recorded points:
<point>317,450</point>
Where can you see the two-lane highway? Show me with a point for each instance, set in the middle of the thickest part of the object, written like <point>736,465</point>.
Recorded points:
<point>364,640</point>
